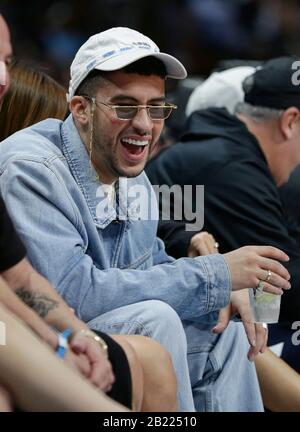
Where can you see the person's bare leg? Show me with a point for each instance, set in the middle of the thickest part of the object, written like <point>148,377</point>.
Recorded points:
<point>160,384</point>
<point>136,370</point>
<point>38,380</point>
<point>5,400</point>
<point>279,383</point>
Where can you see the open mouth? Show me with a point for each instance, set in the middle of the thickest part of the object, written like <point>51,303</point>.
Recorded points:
<point>134,149</point>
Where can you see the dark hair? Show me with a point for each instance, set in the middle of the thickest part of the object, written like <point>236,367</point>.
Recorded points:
<point>146,66</point>
<point>32,96</point>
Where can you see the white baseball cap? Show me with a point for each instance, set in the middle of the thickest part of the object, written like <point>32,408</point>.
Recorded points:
<point>221,89</point>
<point>114,49</point>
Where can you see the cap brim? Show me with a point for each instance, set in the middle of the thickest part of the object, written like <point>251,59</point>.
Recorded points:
<point>174,68</point>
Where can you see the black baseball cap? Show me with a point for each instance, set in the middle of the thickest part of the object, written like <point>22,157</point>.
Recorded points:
<point>276,84</point>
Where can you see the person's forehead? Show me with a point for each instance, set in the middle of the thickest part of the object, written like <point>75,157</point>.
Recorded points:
<point>133,83</point>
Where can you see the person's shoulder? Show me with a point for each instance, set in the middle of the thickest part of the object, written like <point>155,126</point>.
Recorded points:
<point>189,162</point>
<point>35,143</point>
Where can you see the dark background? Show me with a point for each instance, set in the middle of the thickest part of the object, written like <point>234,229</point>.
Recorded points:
<point>199,32</point>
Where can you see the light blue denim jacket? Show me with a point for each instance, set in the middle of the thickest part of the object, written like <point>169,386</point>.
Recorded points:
<point>55,200</point>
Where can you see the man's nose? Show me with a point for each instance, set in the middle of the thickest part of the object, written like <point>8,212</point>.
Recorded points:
<point>142,121</point>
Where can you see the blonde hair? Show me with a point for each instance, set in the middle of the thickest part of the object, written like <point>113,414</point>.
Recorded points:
<point>32,96</point>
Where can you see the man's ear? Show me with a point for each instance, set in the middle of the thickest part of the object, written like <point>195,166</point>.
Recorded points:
<point>289,121</point>
<point>79,108</point>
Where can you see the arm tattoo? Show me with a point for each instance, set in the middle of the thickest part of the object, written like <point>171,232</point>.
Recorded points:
<point>40,303</point>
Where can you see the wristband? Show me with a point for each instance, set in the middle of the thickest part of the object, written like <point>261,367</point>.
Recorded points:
<point>63,343</point>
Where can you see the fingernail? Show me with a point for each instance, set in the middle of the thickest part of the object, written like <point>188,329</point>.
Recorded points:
<point>253,343</point>
<point>251,357</point>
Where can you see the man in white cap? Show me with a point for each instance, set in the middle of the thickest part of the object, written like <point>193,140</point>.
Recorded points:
<point>73,193</point>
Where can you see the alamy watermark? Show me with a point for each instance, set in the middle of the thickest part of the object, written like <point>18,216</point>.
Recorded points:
<point>296,82</point>
<point>140,202</point>
<point>296,335</point>
<point>2,333</point>
<point>296,74</point>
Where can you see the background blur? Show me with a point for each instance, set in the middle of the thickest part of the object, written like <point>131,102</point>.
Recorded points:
<point>199,32</point>
<point>203,34</point>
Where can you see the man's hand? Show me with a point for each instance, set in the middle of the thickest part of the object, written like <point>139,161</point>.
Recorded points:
<point>250,264</point>
<point>257,335</point>
<point>101,373</point>
<point>202,243</point>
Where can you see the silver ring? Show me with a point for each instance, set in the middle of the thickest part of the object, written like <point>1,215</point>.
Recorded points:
<point>216,245</point>
<point>260,286</point>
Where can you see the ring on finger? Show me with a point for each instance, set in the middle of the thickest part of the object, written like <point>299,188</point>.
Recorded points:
<point>268,277</point>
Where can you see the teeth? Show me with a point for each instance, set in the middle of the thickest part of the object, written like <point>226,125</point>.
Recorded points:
<point>135,142</point>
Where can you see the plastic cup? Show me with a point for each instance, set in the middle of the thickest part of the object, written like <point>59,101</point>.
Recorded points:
<point>265,306</point>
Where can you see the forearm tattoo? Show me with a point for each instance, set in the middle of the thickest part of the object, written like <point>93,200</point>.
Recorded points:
<point>40,303</point>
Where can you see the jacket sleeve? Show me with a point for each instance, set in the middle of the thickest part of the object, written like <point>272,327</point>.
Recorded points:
<point>49,224</point>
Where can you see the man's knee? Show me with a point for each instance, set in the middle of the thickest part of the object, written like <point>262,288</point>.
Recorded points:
<point>152,318</point>
<point>163,315</point>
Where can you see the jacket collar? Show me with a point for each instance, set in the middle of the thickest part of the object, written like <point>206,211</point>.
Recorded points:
<point>103,213</point>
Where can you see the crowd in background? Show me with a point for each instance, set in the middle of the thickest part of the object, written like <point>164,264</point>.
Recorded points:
<point>199,32</point>
<point>206,35</point>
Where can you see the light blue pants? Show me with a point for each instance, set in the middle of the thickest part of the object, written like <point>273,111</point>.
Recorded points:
<point>213,372</point>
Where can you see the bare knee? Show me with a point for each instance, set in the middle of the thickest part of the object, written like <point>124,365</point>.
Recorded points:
<point>160,383</point>
<point>135,370</point>
<point>165,376</point>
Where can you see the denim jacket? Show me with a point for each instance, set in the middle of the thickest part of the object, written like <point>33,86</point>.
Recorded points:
<point>99,257</point>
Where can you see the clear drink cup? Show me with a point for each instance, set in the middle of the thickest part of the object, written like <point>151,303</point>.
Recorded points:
<point>265,306</point>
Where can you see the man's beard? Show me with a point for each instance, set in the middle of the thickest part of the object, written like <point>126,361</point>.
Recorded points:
<point>111,162</point>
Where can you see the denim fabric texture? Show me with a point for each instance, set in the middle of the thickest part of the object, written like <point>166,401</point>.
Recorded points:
<point>112,269</point>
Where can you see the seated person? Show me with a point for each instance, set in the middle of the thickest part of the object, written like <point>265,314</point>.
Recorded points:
<point>130,357</point>
<point>237,211</point>
<point>81,233</point>
<point>34,379</point>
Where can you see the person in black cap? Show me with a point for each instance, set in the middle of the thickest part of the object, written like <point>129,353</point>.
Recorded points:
<point>242,159</point>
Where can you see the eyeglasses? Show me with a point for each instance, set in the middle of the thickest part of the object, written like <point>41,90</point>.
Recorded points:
<point>128,112</point>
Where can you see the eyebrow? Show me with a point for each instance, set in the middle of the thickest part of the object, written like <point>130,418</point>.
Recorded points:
<point>125,98</point>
